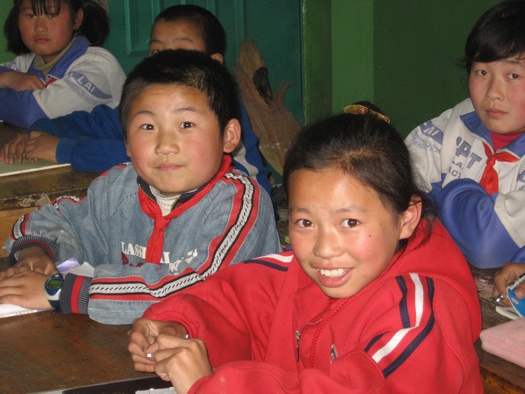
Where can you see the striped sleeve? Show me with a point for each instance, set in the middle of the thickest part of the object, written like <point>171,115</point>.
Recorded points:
<point>391,349</point>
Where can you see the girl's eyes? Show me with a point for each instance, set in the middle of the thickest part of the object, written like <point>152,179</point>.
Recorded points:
<point>350,223</point>
<point>303,223</point>
<point>481,72</point>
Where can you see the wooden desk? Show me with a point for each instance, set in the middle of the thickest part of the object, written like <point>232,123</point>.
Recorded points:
<point>499,375</point>
<point>22,193</point>
<point>44,351</point>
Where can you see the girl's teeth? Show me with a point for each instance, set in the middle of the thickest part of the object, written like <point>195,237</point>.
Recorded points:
<point>332,273</point>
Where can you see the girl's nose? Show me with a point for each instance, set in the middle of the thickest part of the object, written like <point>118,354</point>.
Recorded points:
<point>494,90</point>
<point>40,23</point>
<point>327,244</point>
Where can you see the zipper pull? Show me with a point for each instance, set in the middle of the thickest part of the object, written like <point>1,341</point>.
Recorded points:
<point>297,338</point>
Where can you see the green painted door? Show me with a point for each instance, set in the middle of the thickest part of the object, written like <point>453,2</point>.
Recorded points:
<point>275,25</point>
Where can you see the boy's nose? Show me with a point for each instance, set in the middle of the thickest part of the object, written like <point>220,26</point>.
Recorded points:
<point>167,143</point>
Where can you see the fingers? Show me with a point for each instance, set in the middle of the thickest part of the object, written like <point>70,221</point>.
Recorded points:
<point>184,364</point>
<point>13,150</point>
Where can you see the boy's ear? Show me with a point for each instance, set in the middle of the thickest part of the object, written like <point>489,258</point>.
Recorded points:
<point>410,218</point>
<point>218,57</point>
<point>127,149</point>
<point>232,136</point>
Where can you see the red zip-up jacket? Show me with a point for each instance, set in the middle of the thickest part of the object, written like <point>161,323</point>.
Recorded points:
<point>269,328</point>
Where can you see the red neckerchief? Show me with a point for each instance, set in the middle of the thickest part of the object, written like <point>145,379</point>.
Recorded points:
<point>151,208</point>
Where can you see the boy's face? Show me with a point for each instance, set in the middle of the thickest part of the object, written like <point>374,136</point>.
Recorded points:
<point>174,139</point>
<point>497,90</point>
<point>341,233</point>
<point>178,34</point>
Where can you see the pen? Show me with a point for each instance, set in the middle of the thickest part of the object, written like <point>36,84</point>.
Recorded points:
<point>515,284</point>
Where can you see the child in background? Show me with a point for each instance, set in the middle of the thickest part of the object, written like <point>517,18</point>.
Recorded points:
<point>60,67</point>
<point>174,216</point>
<point>471,159</point>
<point>373,296</point>
<point>94,141</point>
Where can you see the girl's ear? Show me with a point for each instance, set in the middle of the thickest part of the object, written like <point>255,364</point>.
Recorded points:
<point>79,18</point>
<point>232,136</point>
<point>411,217</point>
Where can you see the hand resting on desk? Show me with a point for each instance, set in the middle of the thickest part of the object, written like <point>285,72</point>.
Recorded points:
<point>171,355</point>
<point>33,146</point>
<point>23,284</point>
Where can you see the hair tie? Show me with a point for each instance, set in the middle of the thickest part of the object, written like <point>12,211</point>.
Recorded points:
<point>358,109</point>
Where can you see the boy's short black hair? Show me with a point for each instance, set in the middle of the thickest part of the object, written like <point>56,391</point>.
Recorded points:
<point>498,34</point>
<point>210,28</point>
<point>193,69</point>
<point>95,25</point>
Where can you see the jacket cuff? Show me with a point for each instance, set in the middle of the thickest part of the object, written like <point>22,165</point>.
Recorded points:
<point>64,150</point>
<point>74,296</point>
<point>48,246</point>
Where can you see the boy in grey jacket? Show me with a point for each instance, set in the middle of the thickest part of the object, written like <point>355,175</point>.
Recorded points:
<point>177,214</point>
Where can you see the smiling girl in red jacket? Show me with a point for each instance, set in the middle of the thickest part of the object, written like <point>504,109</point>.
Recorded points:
<point>374,296</point>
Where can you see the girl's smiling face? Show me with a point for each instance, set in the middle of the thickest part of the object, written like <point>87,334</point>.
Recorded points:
<point>342,234</point>
<point>48,34</point>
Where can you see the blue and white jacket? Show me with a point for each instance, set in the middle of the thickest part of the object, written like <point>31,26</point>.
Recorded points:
<point>83,77</point>
<point>141,257</point>
<point>449,159</point>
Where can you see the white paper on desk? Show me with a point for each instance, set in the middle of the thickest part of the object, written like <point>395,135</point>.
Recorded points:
<point>8,310</point>
<point>85,269</point>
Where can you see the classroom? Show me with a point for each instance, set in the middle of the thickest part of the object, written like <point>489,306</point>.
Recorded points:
<point>404,57</point>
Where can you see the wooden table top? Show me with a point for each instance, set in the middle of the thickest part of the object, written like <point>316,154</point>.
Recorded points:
<point>44,351</point>
<point>27,190</point>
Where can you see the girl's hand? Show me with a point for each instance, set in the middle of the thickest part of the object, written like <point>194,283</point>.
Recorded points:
<point>25,289</point>
<point>41,146</point>
<point>143,340</point>
<point>504,277</point>
<point>20,81</point>
<point>13,150</point>
<point>183,361</point>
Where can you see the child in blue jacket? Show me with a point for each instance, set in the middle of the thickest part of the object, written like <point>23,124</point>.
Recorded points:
<point>93,141</point>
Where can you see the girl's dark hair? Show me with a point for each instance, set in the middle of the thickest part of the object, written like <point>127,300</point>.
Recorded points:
<point>210,28</point>
<point>192,69</point>
<point>367,149</point>
<point>498,34</point>
<point>95,25</point>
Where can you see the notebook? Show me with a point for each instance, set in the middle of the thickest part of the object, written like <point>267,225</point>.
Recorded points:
<point>25,166</point>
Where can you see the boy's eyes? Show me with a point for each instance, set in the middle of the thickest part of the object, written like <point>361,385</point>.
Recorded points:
<point>147,126</point>
<point>513,76</point>
<point>186,125</point>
